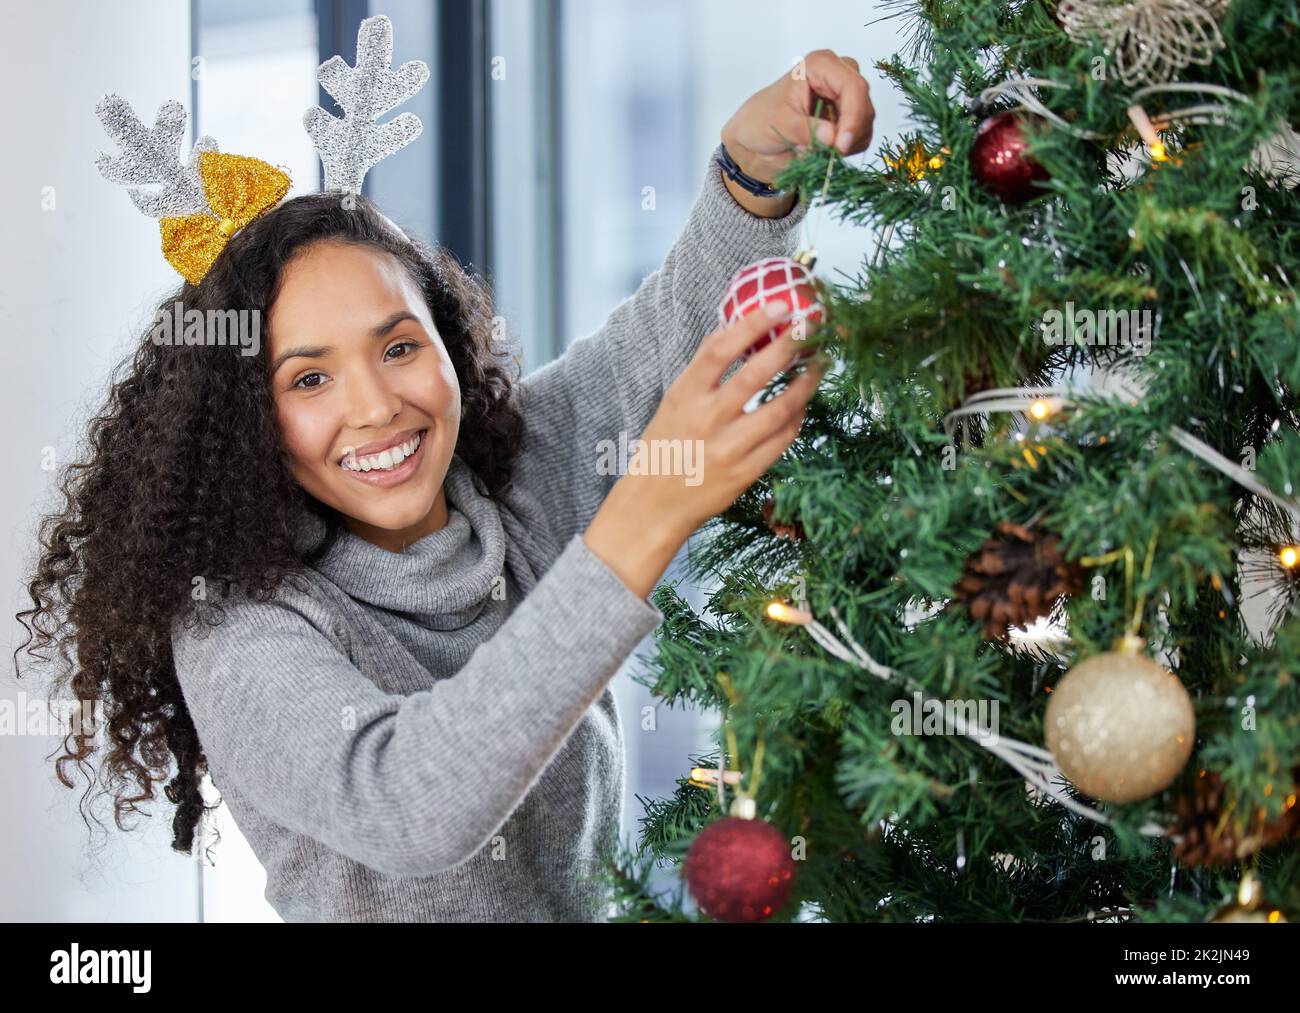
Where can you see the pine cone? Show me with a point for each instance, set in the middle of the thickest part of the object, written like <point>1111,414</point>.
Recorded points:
<point>1016,577</point>
<point>793,530</point>
<point>1210,837</point>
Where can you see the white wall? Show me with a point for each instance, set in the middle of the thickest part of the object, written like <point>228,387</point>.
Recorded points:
<point>76,283</point>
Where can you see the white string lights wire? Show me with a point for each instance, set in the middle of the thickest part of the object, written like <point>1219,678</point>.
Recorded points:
<point>1033,763</point>
<point>1040,402</point>
<point>1022,90</point>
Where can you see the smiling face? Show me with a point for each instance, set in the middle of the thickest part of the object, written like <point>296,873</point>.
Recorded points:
<point>365,393</point>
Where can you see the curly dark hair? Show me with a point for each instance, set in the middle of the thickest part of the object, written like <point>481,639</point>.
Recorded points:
<point>185,473</point>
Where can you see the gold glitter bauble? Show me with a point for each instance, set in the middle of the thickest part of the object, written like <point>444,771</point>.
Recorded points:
<point>1119,725</point>
<point>1249,905</point>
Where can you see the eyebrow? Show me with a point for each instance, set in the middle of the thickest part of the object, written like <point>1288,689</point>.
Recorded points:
<point>316,351</point>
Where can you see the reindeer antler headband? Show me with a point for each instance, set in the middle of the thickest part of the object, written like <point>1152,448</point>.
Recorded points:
<point>201,203</point>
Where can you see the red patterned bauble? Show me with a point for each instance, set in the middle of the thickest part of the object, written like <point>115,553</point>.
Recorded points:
<point>1001,163</point>
<point>740,870</point>
<point>775,278</point>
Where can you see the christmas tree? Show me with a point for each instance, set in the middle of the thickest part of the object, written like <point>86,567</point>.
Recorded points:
<point>1011,632</point>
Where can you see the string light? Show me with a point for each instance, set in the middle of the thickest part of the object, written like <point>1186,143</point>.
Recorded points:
<point>1147,131</point>
<point>1289,556</point>
<point>1040,409</point>
<point>784,613</point>
<point>707,777</point>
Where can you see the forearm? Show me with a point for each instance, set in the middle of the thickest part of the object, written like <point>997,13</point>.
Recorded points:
<point>612,381</point>
<point>631,541</point>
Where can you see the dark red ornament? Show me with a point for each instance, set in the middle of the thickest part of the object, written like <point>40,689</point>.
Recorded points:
<point>1000,162</point>
<point>768,280</point>
<point>740,870</point>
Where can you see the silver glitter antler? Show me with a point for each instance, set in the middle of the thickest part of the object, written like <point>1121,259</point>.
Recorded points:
<point>152,155</point>
<point>350,146</point>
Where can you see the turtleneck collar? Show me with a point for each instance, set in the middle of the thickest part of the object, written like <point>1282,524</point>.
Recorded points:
<point>444,579</point>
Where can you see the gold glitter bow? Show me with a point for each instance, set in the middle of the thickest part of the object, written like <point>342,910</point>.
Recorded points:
<point>238,189</point>
<point>911,164</point>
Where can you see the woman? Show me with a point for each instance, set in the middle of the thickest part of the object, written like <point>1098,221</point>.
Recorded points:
<point>375,588</point>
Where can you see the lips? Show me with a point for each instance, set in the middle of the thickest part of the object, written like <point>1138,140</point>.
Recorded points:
<point>371,470</point>
<point>383,459</point>
<point>379,446</point>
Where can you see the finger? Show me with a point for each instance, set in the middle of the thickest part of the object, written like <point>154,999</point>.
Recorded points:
<point>774,358</point>
<point>767,453</point>
<point>829,76</point>
<point>802,128</point>
<point>770,445</point>
<point>785,409</point>
<point>850,61</point>
<point>808,108</point>
<point>721,348</point>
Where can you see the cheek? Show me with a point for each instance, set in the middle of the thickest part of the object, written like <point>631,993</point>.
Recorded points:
<point>307,430</point>
<point>434,390</point>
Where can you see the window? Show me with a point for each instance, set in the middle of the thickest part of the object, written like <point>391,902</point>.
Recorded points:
<point>255,75</point>
<point>644,90</point>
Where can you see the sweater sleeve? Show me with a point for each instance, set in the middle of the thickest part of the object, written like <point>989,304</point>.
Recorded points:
<point>407,785</point>
<point>612,381</point>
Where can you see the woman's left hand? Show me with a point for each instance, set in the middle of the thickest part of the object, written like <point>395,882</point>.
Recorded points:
<point>754,135</point>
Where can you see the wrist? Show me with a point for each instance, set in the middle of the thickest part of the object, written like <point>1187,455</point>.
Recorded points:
<point>636,541</point>
<point>658,521</point>
<point>735,157</point>
<point>750,163</point>
<point>760,207</point>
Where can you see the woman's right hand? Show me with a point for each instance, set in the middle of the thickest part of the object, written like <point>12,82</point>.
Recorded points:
<point>732,448</point>
<point>721,449</point>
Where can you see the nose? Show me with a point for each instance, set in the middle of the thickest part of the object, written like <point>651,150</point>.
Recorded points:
<point>371,402</point>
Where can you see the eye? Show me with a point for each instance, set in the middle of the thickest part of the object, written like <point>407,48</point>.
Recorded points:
<point>401,344</point>
<point>301,385</point>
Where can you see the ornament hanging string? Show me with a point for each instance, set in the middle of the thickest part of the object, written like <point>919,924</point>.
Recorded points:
<point>1126,553</point>
<point>810,231</point>
<point>733,749</point>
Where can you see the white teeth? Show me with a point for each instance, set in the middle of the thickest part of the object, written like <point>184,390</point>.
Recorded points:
<point>386,461</point>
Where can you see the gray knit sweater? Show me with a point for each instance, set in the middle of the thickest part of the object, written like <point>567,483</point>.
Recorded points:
<point>429,735</point>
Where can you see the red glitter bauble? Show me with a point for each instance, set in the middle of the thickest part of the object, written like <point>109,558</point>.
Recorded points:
<point>1000,162</point>
<point>740,870</point>
<point>775,278</point>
